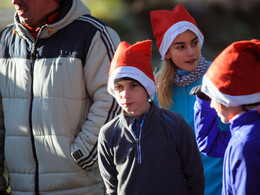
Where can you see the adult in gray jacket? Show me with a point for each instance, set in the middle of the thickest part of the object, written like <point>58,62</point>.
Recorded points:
<point>54,63</point>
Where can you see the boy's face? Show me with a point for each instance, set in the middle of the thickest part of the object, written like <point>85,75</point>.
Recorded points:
<point>131,96</point>
<point>225,113</point>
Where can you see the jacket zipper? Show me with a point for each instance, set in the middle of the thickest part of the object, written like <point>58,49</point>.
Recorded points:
<point>32,59</point>
<point>138,142</point>
<point>139,159</point>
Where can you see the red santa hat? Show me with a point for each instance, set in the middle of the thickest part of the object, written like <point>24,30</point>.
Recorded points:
<point>133,61</point>
<point>233,78</point>
<point>168,24</point>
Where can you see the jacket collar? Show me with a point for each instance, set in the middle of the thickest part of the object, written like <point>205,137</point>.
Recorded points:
<point>71,10</point>
<point>127,120</point>
<point>51,18</point>
<point>245,118</point>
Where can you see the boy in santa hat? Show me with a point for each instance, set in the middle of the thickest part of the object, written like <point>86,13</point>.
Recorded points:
<point>145,149</point>
<point>233,84</point>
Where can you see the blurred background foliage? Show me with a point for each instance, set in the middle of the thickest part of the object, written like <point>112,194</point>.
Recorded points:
<point>221,21</point>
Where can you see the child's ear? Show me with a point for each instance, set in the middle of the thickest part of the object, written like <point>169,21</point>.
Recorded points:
<point>167,55</point>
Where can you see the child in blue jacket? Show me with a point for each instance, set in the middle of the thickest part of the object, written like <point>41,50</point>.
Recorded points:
<point>233,84</point>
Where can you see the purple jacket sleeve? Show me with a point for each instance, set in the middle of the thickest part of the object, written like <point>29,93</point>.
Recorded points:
<point>211,140</point>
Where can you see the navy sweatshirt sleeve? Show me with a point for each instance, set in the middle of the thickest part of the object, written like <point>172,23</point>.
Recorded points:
<point>190,158</point>
<point>107,166</point>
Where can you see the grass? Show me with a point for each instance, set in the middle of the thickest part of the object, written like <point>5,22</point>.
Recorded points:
<point>110,10</point>
<point>5,4</point>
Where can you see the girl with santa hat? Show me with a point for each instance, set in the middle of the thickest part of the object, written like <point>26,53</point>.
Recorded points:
<point>179,41</point>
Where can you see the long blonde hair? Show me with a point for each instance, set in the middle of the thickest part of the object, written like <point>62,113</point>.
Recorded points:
<point>164,79</point>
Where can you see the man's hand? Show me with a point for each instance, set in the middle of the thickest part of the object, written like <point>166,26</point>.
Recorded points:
<point>197,91</point>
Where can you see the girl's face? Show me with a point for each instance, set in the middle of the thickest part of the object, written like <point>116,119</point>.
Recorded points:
<point>131,96</point>
<point>225,113</point>
<point>185,51</point>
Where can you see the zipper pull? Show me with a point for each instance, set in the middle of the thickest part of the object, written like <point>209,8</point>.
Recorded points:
<point>32,56</point>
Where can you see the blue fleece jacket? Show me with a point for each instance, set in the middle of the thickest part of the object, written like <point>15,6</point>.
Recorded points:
<point>240,147</point>
<point>183,105</point>
<point>163,158</point>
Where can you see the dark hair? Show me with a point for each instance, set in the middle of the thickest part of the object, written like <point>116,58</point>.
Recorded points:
<point>131,79</point>
<point>247,107</point>
<point>126,78</point>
